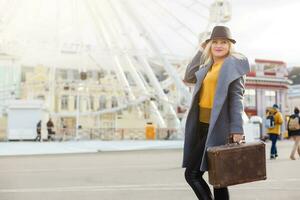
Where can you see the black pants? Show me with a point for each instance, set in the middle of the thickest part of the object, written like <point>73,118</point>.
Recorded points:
<point>38,137</point>
<point>193,175</point>
<point>50,134</point>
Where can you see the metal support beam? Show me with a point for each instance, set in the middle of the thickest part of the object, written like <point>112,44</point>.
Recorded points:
<point>151,75</point>
<point>108,42</point>
<point>131,65</point>
<point>150,38</point>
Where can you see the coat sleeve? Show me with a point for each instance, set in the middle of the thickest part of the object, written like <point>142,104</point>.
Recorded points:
<point>193,66</point>
<point>236,106</point>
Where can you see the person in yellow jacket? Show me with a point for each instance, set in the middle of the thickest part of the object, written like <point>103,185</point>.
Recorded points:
<point>274,132</point>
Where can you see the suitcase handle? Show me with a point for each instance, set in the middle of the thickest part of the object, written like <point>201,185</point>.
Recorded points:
<point>230,140</point>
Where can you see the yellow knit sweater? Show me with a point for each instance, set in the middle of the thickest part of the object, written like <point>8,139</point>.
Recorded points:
<point>207,92</point>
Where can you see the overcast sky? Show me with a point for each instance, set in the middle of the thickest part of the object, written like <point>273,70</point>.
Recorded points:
<point>267,29</point>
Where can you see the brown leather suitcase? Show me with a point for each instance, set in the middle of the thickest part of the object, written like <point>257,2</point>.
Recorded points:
<point>233,164</point>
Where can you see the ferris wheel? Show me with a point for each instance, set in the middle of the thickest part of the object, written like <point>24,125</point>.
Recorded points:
<point>148,42</point>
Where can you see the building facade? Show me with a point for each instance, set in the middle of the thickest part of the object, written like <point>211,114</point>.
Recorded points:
<point>93,100</point>
<point>294,90</point>
<point>267,83</point>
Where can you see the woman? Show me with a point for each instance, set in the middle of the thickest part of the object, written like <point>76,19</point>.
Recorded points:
<point>216,108</point>
<point>294,132</point>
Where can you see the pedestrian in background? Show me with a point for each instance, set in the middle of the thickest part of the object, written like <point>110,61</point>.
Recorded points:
<point>50,127</point>
<point>38,130</point>
<point>274,130</point>
<point>293,127</point>
<point>216,109</point>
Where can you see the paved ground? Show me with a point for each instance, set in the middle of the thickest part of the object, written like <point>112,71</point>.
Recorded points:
<point>130,175</point>
<point>90,146</point>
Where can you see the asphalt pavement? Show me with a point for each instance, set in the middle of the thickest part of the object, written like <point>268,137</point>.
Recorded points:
<point>131,175</point>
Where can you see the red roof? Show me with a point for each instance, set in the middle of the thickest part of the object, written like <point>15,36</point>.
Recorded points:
<point>277,62</point>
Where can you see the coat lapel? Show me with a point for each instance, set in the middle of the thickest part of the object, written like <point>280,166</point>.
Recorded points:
<point>231,70</point>
<point>200,75</point>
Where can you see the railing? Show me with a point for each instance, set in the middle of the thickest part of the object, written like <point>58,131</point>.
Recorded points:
<point>105,134</point>
<point>113,134</point>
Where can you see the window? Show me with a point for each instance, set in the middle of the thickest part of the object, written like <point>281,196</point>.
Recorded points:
<point>270,98</point>
<point>26,70</point>
<point>114,102</point>
<point>250,98</point>
<point>102,102</point>
<point>40,97</point>
<point>70,75</point>
<point>90,75</point>
<point>91,102</point>
<point>75,102</point>
<point>75,75</point>
<point>85,102</point>
<point>64,102</point>
<point>63,74</point>
<point>160,107</point>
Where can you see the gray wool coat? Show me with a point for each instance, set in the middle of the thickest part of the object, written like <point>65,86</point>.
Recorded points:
<point>226,114</point>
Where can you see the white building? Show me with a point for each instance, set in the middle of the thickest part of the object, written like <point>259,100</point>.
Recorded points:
<point>294,90</point>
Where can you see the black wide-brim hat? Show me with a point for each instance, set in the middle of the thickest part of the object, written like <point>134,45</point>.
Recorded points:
<point>221,32</point>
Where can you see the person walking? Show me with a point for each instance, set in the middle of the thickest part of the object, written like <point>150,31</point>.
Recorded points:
<point>38,130</point>
<point>293,127</point>
<point>215,114</point>
<point>274,131</point>
<point>50,130</point>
